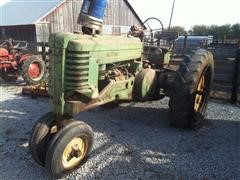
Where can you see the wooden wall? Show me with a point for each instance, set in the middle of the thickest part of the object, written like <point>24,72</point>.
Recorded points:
<point>225,62</point>
<point>64,18</point>
<point>42,32</point>
<point>118,13</point>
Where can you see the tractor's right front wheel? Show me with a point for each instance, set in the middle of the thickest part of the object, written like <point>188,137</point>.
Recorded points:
<point>191,89</point>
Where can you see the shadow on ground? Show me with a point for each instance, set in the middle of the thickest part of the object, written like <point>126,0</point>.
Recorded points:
<point>133,141</point>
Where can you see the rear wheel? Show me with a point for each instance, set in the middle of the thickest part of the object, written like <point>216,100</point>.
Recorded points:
<point>191,89</point>
<point>33,70</point>
<point>69,148</point>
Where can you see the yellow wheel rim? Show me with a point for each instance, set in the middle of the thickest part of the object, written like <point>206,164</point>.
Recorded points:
<point>199,94</point>
<point>74,152</point>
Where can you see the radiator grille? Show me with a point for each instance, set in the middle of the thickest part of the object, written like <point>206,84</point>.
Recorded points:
<point>77,69</point>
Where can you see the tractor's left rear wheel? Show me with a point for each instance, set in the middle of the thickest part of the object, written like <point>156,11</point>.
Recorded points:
<point>191,89</point>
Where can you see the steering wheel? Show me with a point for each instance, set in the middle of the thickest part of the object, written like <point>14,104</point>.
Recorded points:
<point>153,31</point>
<point>21,45</point>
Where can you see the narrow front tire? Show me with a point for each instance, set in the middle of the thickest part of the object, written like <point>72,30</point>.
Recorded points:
<point>69,148</point>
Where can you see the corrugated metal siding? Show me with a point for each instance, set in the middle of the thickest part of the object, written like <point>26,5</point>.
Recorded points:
<point>25,12</point>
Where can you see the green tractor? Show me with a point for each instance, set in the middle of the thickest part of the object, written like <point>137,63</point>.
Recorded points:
<point>88,70</point>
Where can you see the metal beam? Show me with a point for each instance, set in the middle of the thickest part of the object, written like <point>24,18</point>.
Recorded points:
<point>170,22</point>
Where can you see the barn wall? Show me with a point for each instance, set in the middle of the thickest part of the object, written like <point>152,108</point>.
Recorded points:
<point>42,32</point>
<point>61,19</point>
<point>118,19</point>
<point>118,13</point>
<point>23,33</point>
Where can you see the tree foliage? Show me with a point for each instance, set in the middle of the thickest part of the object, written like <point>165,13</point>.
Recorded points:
<point>181,30</point>
<point>226,31</point>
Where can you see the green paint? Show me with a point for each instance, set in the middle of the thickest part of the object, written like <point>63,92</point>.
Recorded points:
<point>58,43</point>
<point>167,57</point>
<point>74,68</point>
<point>93,72</point>
<point>120,90</point>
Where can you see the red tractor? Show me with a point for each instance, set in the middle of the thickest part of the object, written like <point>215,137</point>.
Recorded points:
<point>14,61</point>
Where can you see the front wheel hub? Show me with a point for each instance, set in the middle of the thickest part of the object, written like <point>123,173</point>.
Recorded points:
<point>74,152</point>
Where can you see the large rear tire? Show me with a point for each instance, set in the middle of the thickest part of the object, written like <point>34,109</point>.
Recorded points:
<point>33,70</point>
<point>191,89</point>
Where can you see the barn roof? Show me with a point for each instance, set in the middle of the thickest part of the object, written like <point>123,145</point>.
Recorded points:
<point>19,12</point>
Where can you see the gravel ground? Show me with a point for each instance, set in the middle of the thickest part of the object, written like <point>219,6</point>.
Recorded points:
<point>133,141</point>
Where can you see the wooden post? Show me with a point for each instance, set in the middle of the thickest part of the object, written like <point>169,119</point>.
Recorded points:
<point>44,51</point>
<point>185,42</point>
<point>236,76</point>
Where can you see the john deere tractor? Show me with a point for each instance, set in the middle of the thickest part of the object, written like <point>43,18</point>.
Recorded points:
<point>88,69</point>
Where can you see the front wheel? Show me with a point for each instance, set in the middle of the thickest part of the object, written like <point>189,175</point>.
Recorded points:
<point>33,70</point>
<point>69,148</point>
<point>191,89</point>
<point>42,132</point>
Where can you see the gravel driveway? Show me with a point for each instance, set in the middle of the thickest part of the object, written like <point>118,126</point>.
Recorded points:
<point>133,141</point>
